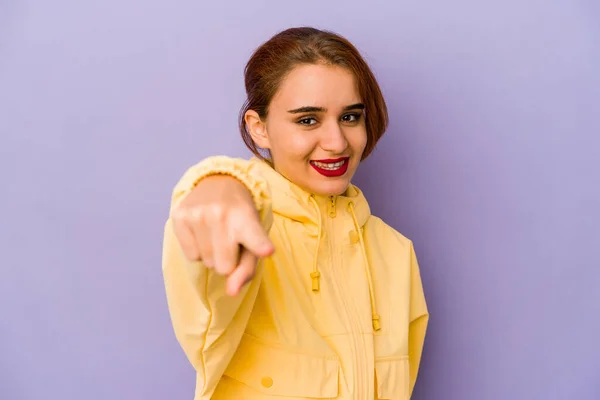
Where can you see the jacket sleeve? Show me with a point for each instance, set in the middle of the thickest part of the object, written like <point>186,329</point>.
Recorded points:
<point>208,323</point>
<point>419,318</point>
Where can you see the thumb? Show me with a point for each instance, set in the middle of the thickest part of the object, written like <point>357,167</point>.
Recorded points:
<point>253,237</point>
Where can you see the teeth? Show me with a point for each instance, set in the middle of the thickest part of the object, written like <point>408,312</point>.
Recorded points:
<point>329,166</point>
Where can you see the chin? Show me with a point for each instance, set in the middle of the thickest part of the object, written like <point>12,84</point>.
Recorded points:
<point>331,188</point>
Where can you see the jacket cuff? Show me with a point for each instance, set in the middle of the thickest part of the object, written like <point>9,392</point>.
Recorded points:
<point>243,170</point>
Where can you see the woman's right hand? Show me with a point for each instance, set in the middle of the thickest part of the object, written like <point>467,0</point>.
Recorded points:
<point>217,223</point>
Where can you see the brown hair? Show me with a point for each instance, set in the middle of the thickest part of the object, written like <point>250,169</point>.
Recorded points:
<point>272,61</point>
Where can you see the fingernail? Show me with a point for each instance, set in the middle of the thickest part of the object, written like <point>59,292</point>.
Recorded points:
<point>231,291</point>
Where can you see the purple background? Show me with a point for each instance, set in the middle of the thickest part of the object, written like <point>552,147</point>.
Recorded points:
<point>490,165</point>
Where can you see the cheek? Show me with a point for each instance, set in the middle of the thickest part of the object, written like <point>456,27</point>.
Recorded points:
<point>358,142</point>
<point>289,141</point>
<point>301,144</point>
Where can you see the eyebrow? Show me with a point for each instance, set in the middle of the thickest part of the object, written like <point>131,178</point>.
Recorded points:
<point>357,106</point>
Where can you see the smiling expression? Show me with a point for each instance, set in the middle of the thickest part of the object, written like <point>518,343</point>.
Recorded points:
<point>315,129</point>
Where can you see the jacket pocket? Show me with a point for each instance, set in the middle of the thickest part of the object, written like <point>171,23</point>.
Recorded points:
<point>393,378</point>
<point>279,371</point>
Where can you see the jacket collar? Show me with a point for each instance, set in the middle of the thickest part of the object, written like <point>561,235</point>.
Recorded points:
<point>291,201</point>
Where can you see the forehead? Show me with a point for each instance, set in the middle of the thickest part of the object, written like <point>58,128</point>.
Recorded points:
<point>317,85</point>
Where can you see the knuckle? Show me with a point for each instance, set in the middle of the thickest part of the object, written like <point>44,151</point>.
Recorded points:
<point>241,211</point>
<point>178,214</point>
<point>241,223</point>
<point>191,215</point>
<point>197,215</point>
<point>217,212</point>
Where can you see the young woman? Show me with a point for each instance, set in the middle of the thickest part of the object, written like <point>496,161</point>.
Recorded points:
<point>280,282</point>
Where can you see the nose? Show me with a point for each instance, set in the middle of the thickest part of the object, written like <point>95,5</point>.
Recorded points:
<point>333,139</point>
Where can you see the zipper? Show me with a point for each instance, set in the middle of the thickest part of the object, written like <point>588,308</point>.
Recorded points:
<point>332,209</point>
<point>353,320</point>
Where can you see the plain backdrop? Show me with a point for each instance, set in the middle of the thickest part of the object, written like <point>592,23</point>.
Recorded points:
<point>490,165</point>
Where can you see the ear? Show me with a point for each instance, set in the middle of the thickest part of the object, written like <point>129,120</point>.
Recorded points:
<point>257,129</point>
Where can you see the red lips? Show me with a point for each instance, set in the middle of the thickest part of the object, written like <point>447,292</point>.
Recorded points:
<point>331,173</point>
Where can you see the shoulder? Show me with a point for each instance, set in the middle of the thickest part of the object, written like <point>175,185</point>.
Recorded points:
<point>376,228</point>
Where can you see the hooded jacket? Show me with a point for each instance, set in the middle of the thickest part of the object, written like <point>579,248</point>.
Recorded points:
<point>337,312</point>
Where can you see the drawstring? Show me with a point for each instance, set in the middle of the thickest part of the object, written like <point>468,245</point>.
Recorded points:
<point>315,275</point>
<point>376,322</point>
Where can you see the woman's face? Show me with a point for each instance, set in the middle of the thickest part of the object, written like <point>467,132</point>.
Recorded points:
<point>315,128</point>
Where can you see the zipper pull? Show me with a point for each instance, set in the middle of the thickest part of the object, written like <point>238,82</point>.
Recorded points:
<point>332,211</point>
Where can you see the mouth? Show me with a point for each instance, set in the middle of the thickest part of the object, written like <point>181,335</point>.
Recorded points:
<point>331,167</point>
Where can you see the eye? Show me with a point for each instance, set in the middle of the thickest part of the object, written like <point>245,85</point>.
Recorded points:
<point>307,121</point>
<point>352,118</point>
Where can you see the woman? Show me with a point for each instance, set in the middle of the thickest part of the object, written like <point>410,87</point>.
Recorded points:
<point>280,282</point>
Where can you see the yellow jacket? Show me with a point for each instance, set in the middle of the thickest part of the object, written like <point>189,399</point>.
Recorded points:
<point>337,312</point>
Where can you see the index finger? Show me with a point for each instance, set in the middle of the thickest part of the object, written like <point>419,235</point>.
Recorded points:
<point>242,274</point>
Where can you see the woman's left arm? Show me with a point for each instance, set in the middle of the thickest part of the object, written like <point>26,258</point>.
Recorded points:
<point>419,318</point>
